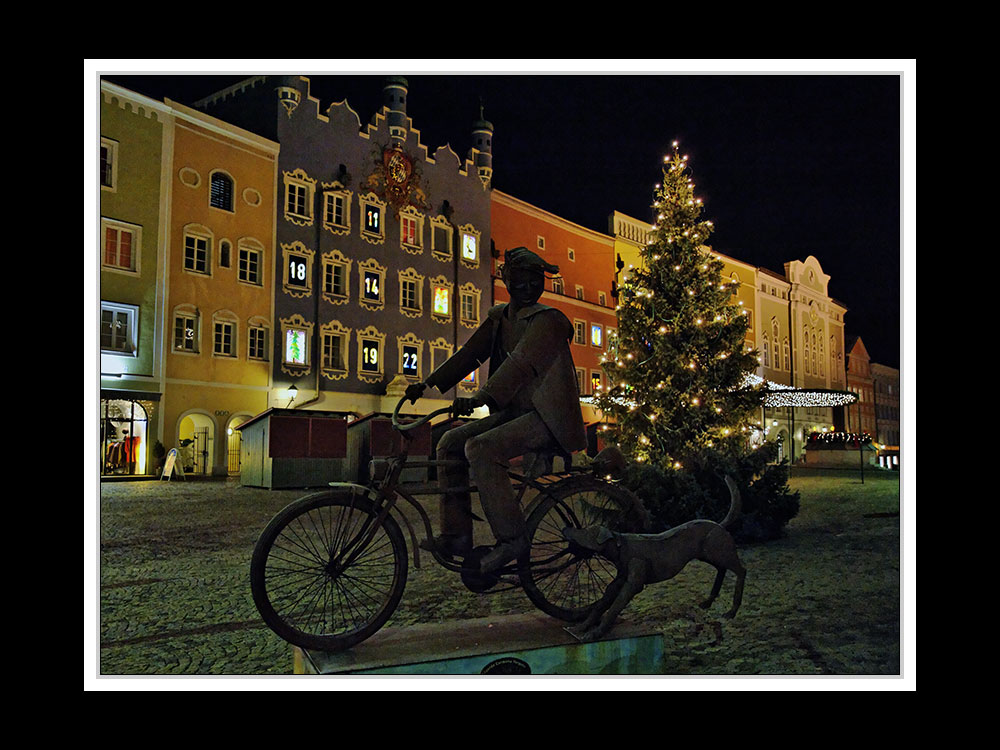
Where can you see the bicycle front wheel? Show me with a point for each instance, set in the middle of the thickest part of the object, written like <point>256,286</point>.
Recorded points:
<point>564,580</point>
<point>326,574</point>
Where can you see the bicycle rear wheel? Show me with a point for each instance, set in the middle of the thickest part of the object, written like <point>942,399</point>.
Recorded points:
<point>564,580</point>
<point>326,574</point>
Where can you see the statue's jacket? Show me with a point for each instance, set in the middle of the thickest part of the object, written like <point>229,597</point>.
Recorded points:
<point>530,368</point>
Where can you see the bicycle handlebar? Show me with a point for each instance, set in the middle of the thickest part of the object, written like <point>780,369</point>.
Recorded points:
<point>418,422</point>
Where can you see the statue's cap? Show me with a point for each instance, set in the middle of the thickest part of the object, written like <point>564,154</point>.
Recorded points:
<point>522,257</point>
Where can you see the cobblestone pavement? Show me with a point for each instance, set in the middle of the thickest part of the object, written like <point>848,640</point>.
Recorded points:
<point>174,594</point>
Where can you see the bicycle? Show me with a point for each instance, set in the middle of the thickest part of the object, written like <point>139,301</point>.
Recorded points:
<point>329,569</point>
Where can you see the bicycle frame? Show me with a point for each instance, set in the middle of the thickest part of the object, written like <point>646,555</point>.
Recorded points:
<point>385,490</point>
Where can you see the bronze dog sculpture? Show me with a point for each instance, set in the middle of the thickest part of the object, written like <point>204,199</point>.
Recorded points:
<point>642,559</point>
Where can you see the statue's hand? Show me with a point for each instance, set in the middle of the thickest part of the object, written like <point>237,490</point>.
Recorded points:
<point>414,391</point>
<point>464,406</point>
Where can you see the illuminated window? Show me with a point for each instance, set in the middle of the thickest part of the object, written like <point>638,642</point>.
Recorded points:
<point>297,269</point>
<point>118,327</point>
<point>371,345</point>
<point>121,246</point>
<point>596,335</point>
<point>411,230</point>
<point>372,219</point>
<point>410,356</point>
<point>186,329</point>
<point>372,282</point>
<point>296,346</point>
<point>470,246</point>
<point>440,299</point>
<point>596,381</point>
<point>221,191</point>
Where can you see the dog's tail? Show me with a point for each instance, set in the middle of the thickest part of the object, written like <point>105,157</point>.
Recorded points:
<point>735,505</point>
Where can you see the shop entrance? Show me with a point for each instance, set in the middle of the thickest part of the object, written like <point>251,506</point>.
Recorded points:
<point>124,429</point>
<point>195,435</point>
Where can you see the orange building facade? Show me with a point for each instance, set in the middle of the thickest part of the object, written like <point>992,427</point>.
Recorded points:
<point>581,290</point>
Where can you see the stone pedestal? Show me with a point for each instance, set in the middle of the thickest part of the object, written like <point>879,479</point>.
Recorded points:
<point>510,645</point>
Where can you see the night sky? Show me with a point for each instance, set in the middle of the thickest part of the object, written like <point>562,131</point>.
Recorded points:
<point>788,165</point>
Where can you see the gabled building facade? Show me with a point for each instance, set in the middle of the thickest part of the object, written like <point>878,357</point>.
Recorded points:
<point>220,271</point>
<point>380,266</point>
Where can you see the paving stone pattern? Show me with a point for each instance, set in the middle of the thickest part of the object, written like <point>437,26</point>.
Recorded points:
<point>175,598</point>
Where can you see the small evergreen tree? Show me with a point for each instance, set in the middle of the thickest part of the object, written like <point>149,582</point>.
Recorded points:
<point>678,380</point>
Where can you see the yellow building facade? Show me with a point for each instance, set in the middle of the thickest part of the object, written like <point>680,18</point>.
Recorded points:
<point>219,337</point>
<point>795,326</point>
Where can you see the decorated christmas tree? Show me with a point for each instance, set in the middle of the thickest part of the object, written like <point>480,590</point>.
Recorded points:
<point>678,378</point>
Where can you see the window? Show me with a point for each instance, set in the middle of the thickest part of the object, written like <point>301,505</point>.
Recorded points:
<point>411,285</point>
<point>571,254</point>
<point>372,219</point>
<point>765,352</point>
<point>440,352</point>
<point>225,253</point>
<point>579,292</point>
<point>581,375</point>
<point>540,242</point>
<point>296,335</point>
<point>297,264</point>
<point>441,238</point>
<point>410,355</point>
<point>411,230</point>
<point>469,297</point>
<point>121,246</point>
<point>470,246</point>
<point>299,189</point>
<point>197,252</point>
<point>596,335</point>
<point>612,334</point>
<point>186,329</point>
<point>557,285</point>
<point>334,340</point>
<point>440,299</point>
<point>221,191</point>
<point>251,268</point>
<point>370,348</point>
<point>223,335</point>
<point>602,299</point>
<point>336,275</point>
<point>118,328</point>
<point>257,340</point>
<point>596,381</point>
<point>109,164</point>
<point>580,332</point>
<point>336,211</point>
<point>372,278</point>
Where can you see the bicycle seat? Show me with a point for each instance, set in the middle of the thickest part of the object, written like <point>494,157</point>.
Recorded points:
<point>540,463</point>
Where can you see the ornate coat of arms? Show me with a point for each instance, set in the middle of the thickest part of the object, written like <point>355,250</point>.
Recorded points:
<point>396,179</point>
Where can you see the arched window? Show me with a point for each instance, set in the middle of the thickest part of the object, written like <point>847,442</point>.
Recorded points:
<point>221,191</point>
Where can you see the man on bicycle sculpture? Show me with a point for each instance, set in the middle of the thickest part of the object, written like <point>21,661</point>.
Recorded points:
<point>534,407</point>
